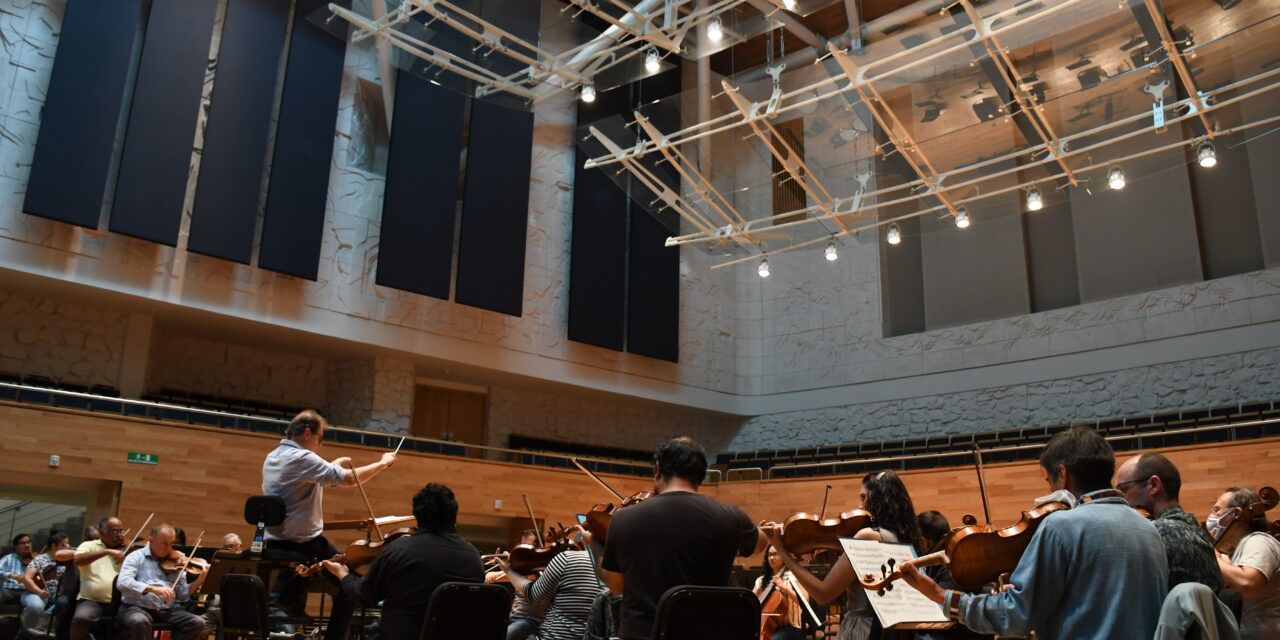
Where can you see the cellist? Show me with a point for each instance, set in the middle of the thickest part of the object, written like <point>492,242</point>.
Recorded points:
<point>777,585</point>
<point>1249,559</point>
<point>294,473</point>
<point>1096,571</point>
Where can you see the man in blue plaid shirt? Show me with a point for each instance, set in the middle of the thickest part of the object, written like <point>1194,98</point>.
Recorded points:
<point>12,568</point>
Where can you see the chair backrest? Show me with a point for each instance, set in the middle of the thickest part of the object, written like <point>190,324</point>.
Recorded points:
<point>244,606</point>
<point>467,610</point>
<point>262,512</point>
<point>1192,612</point>
<point>688,612</point>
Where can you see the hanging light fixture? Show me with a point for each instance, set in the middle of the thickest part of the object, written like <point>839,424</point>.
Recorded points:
<point>830,254</point>
<point>1115,178</point>
<point>589,92</point>
<point>715,30</point>
<point>651,61</point>
<point>763,270</point>
<point>1035,201</point>
<point>1206,155</point>
<point>790,4</point>
<point>894,236</point>
<point>962,217</point>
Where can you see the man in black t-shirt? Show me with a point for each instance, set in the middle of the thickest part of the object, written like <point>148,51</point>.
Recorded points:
<point>675,538</point>
<point>403,576</point>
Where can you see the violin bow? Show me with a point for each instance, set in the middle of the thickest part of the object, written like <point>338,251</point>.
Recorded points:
<point>373,519</point>
<point>982,483</point>
<point>186,563</point>
<point>597,479</point>
<point>823,514</point>
<point>139,533</point>
<point>536,531</point>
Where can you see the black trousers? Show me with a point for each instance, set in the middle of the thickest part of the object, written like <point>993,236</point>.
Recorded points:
<point>290,590</point>
<point>136,622</point>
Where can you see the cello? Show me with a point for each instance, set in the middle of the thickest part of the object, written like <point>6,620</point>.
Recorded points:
<point>1236,520</point>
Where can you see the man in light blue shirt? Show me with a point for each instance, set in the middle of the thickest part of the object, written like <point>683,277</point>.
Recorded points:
<point>295,473</point>
<point>149,593</point>
<point>1096,571</point>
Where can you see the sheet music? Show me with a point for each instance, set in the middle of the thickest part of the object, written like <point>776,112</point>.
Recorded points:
<point>901,605</point>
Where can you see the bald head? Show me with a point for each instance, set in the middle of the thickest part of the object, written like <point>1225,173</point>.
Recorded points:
<point>1150,481</point>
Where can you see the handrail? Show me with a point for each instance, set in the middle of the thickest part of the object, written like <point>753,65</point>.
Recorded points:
<point>15,506</point>
<point>1020,447</point>
<point>362,433</point>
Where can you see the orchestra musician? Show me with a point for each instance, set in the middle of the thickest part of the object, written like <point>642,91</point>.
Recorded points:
<point>150,594</point>
<point>933,528</point>
<point>1250,564</point>
<point>791,617</point>
<point>403,576</point>
<point>1095,571</point>
<point>39,602</point>
<point>232,543</point>
<point>13,566</point>
<point>566,588</point>
<point>99,563</point>
<point>885,496</point>
<point>677,537</point>
<point>295,473</point>
<point>1151,481</point>
<point>525,616</point>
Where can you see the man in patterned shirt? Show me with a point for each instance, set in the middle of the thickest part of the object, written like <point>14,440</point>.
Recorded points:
<point>12,568</point>
<point>1151,481</point>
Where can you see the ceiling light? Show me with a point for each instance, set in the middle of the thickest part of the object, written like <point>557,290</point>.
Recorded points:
<point>589,92</point>
<point>715,30</point>
<point>1206,155</point>
<point>1035,201</point>
<point>895,234</point>
<point>790,4</point>
<point>1115,178</point>
<point>830,253</point>
<point>962,217</point>
<point>651,62</point>
<point>764,269</point>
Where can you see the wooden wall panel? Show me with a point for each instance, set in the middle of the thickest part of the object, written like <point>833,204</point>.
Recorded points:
<point>205,474</point>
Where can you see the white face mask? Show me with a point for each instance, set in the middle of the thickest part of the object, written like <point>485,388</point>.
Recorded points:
<point>1215,529</point>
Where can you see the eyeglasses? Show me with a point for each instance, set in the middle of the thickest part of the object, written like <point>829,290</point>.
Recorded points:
<point>1121,485</point>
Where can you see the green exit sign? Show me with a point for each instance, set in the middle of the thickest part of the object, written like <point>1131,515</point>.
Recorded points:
<point>144,458</point>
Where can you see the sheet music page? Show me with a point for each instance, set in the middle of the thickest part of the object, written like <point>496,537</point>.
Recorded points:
<point>902,603</point>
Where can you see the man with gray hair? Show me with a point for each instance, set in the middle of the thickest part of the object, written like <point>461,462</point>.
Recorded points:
<point>295,473</point>
<point>150,594</point>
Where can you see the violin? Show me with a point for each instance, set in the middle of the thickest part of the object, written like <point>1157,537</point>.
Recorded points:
<point>805,532</point>
<point>601,515</point>
<point>358,555</point>
<point>177,561</point>
<point>975,555</point>
<point>1236,520</point>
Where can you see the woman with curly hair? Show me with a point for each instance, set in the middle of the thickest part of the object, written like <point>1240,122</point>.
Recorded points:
<point>893,520</point>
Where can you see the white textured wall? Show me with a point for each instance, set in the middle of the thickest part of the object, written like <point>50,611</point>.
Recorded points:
<point>64,341</point>
<point>217,368</point>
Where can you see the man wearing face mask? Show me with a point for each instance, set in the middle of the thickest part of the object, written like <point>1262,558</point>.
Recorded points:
<point>1251,565</point>
<point>1095,571</point>
<point>1151,481</point>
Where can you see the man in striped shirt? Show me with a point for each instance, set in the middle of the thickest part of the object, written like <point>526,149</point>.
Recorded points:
<point>568,587</point>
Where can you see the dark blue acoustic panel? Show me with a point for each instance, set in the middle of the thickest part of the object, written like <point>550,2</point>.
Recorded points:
<point>156,160</point>
<point>297,196</point>
<point>653,297</point>
<point>235,142</point>
<point>495,209</point>
<point>82,110</point>
<point>421,196</point>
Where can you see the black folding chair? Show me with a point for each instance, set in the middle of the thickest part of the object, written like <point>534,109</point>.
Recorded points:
<point>468,610</point>
<point>244,607</point>
<point>688,612</point>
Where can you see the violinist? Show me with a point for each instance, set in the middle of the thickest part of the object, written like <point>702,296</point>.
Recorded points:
<point>776,577</point>
<point>1095,571</point>
<point>566,588</point>
<point>13,566</point>
<point>885,496</point>
<point>41,580</point>
<point>403,576</point>
<point>1250,564</point>
<point>1151,481</point>
<point>150,592</point>
<point>525,616</point>
<point>677,537</point>
<point>297,475</point>
<point>99,562</point>
<point>933,529</point>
